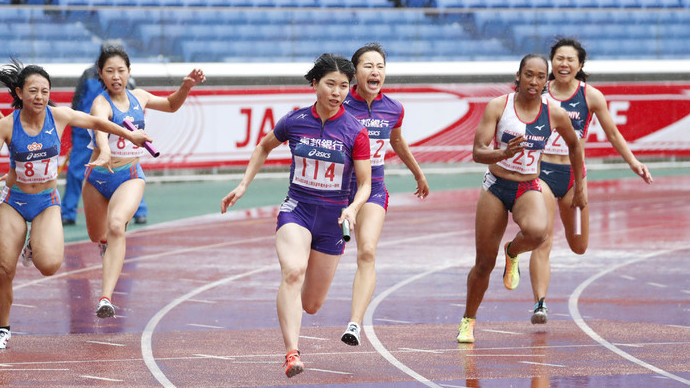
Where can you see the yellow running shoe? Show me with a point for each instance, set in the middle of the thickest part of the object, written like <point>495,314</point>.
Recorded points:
<point>511,274</point>
<point>466,330</point>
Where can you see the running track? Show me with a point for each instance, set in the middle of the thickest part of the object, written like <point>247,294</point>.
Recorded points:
<point>197,305</point>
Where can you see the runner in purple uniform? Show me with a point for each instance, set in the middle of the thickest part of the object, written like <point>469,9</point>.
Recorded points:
<point>32,134</point>
<point>383,117</point>
<point>568,90</point>
<point>510,138</point>
<point>327,145</point>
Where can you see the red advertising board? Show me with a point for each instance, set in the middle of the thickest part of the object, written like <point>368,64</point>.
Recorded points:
<point>221,126</point>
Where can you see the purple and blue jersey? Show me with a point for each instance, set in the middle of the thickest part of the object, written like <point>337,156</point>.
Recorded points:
<point>322,154</point>
<point>379,120</point>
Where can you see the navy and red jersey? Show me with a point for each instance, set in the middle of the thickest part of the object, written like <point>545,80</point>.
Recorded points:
<point>580,117</point>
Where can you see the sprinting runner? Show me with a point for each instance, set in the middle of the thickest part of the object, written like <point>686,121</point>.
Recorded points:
<point>510,138</point>
<point>327,145</point>
<point>32,134</point>
<point>567,89</point>
<point>383,117</point>
<point>114,181</point>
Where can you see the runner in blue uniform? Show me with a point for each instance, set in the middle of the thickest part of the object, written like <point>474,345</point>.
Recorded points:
<point>383,117</point>
<point>567,89</point>
<point>114,181</point>
<point>327,144</point>
<point>32,134</point>
<point>510,138</point>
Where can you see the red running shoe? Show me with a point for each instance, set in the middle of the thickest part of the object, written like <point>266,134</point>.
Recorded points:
<point>293,363</point>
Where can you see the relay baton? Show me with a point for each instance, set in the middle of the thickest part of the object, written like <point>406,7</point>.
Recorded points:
<point>578,221</point>
<point>154,152</point>
<point>345,226</point>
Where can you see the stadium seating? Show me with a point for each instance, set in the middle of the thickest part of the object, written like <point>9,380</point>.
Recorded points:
<point>296,30</point>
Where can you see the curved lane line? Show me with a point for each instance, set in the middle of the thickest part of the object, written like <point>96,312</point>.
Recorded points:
<point>146,336</point>
<point>575,312</point>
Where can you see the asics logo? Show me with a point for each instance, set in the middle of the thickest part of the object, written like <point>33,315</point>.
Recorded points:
<point>574,104</point>
<point>50,132</point>
<point>100,182</point>
<point>20,203</point>
<point>319,154</point>
<point>36,155</point>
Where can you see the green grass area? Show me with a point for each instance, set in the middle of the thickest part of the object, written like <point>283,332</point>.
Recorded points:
<point>176,200</point>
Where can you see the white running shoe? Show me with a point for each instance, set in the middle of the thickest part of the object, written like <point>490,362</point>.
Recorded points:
<point>351,334</point>
<point>105,309</point>
<point>540,313</point>
<point>5,336</point>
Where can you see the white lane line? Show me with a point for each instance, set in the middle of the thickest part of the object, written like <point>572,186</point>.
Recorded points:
<point>147,334</point>
<point>542,363</point>
<point>215,357</point>
<point>374,340</point>
<point>314,338</point>
<point>657,285</point>
<point>393,321</point>
<point>330,371</point>
<point>204,326</point>
<point>422,350</point>
<point>501,331</point>
<point>99,266</point>
<point>105,343</point>
<point>100,378</point>
<point>28,306</point>
<point>201,301</point>
<point>575,313</point>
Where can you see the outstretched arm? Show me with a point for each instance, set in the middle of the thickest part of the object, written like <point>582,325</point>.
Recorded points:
<point>258,158</point>
<point>403,151</point>
<point>174,101</point>
<point>597,104</point>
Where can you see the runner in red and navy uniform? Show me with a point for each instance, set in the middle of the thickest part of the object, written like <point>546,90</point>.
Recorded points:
<point>327,145</point>
<point>383,118</point>
<point>510,138</point>
<point>568,89</point>
<point>32,134</point>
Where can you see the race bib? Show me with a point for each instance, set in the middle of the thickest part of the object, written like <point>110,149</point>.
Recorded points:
<point>37,166</point>
<point>318,168</point>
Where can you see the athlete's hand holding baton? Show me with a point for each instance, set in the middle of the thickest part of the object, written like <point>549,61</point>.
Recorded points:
<point>154,152</point>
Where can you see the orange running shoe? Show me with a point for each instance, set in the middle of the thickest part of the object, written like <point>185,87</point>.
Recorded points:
<point>511,274</point>
<point>293,363</point>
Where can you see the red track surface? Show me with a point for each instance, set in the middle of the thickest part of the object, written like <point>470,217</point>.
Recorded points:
<point>197,306</point>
